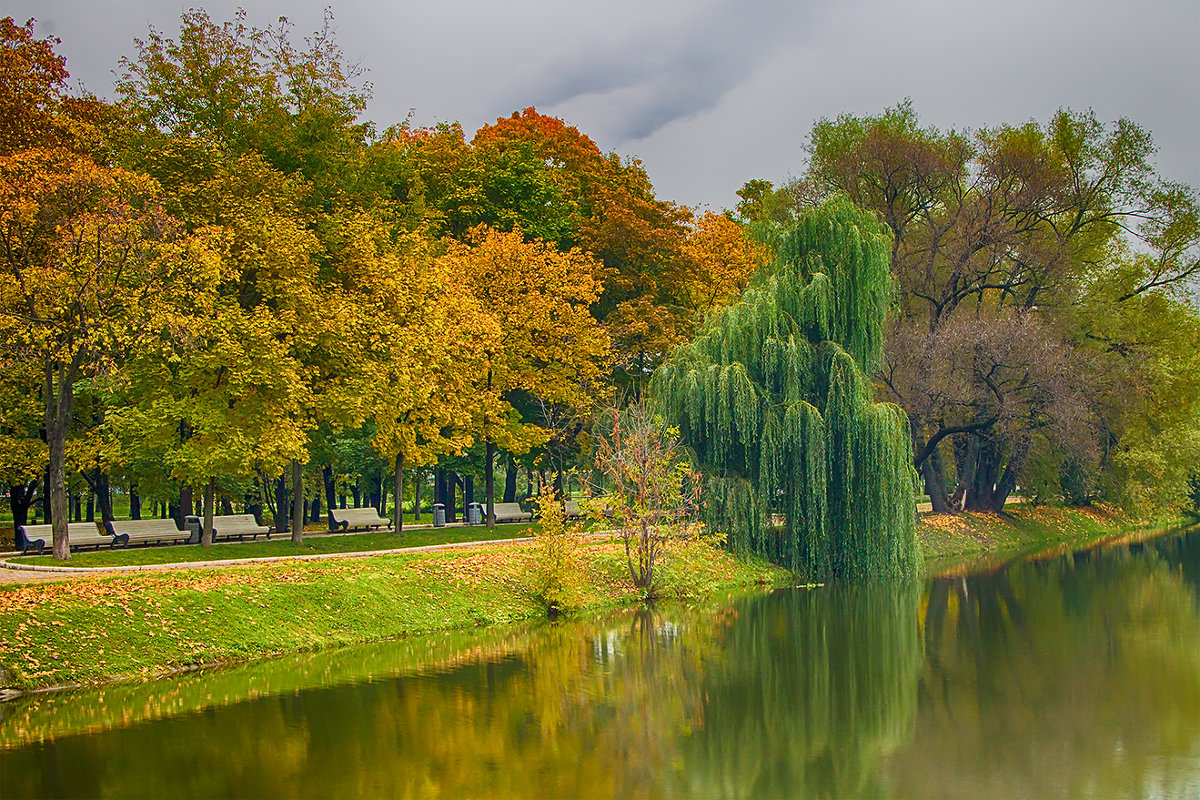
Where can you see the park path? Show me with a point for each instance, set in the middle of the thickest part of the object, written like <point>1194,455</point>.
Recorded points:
<point>13,573</point>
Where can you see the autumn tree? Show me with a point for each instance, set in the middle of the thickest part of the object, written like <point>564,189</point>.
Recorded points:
<point>427,355</point>
<point>536,173</point>
<point>992,223</point>
<point>91,263</point>
<point>286,116</point>
<point>720,260</point>
<point>655,496</point>
<point>549,346</point>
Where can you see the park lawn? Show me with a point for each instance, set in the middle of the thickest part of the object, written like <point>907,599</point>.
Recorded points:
<point>141,624</point>
<point>282,546</point>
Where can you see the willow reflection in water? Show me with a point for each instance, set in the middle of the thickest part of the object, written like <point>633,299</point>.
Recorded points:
<point>1073,676</point>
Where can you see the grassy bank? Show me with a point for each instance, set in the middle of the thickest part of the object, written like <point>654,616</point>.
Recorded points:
<point>96,630</point>
<point>1021,527</point>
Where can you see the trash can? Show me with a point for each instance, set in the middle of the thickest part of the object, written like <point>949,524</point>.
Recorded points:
<point>474,514</point>
<point>193,524</point>
<point>439,515</point>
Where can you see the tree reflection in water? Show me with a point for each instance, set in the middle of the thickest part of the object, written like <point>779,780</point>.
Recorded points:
<point>1067,676</point>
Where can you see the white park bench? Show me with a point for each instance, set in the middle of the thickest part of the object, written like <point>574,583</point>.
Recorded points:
<point>238,526</point>
<point>348,519</point>
<point>511,512</point>
<point>147,531</point>
<point>79,534</point>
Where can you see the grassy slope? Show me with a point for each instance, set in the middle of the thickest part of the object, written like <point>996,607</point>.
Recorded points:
<point>140,624</point>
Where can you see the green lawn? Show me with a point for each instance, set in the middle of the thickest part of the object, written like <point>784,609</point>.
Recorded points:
<point>139,624</point>
<point>345,543</point>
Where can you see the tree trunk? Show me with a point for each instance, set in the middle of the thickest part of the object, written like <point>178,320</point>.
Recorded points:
<point>185,506</point>
<point>418,490</point>
<point>20,498</point>
<point>227,506</point>
<point>206,532</point>
<point>966,461</point>
<point>510,480</point>
<point>135,503</point>
<point>58,496</point>
<point>987,470</point>
<point>47,511</point>
<point>101,492</point>
<point>356,493</point>
<point>399,492</point>
<point>280,511</point>
<point>297,502</point>
<point>104,497</point>
<point>89,512</point>
<point>489,483</point>
<point>330,492</point>
<point>448,495</point>
<point>935,483</point>
<point>60,403</point>
<point>1008,482</point>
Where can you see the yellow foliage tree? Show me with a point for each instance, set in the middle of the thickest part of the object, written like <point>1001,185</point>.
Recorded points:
<point>91,263</point>
<point>550,347</point>
<point>428,338</point>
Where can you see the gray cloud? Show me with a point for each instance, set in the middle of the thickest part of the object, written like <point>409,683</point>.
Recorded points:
<point>670,69</point>
<point>711,93</point>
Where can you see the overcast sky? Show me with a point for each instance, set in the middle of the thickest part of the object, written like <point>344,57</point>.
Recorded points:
<point>709,94</point>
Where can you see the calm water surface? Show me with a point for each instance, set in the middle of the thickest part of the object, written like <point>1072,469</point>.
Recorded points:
<point>1068,675</point>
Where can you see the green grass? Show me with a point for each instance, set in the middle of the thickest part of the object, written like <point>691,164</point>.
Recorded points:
<point>98,630</point>
<point>281,546</point>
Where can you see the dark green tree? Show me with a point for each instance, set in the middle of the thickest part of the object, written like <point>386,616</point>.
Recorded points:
<point>774,402</point>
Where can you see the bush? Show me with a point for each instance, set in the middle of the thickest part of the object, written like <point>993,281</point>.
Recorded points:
<point>557,573</point>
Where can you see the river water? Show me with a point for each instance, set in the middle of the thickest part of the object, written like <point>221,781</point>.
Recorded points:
<point>1068,674</point>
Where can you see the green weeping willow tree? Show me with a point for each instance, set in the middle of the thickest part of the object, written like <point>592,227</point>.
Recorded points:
<point>773,400</point>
